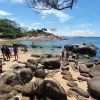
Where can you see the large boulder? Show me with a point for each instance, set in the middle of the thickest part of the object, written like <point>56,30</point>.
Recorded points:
<point>10,78</point>
<point>17,67</point>
<point>54,90</point>
<point>66,77</point>
<point>89,65</point>
<point>32,61</point>
<point>24,75</point>
<point>40,73</point>
<point>5,88</point>
<point>42,89</point>
<point>97,62</point>
<point>87,49</point>
<point>94,87</point>
<point>27,89</point>
<point>95,71</point>
<point>71,93</point>
<point>72,84</point>
<point>81,98</point>
<point>30,65</point>
<point>80,91</point>
<point>5,96</point>
<point>51,63</point>
<point>84,69</point>
<point>20,76</point>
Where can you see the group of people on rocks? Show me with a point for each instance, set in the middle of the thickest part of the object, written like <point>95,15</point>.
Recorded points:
<point>66,54</point>
<point>7,52</point>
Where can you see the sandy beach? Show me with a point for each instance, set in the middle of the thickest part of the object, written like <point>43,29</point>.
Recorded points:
<point>57,77</point>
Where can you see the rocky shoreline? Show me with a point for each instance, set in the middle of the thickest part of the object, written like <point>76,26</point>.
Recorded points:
<point>41,38</point>
<point>47,77</point>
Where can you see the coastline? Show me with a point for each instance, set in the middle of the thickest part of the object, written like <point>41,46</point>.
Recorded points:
<point>60,75</point>
<point>23,57</point>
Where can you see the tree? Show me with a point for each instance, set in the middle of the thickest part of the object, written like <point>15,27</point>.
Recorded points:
<point>49,4</point>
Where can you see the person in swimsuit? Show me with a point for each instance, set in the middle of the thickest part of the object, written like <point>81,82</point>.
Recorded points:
<point>15,49</point>
<point>76,62</point>
<point>3,51</point>
<point>7,52</point>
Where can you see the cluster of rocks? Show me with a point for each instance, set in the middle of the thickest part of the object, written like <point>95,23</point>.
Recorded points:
<point>88,49</point>
<point>30,79</point>
<point>90,73</point>
<point>19,80</point>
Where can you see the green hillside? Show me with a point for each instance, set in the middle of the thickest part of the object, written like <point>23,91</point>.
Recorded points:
<point>11,29</point>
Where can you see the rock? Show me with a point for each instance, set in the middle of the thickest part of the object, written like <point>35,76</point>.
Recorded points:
<point>71,93</point>
<point>84,74</point>
<point>32,61</point>
<point>51,63</point>
<point>82,78</point>
<point>65,72</point>
<point>40,66</point>
<point>16,67</point>
<point>95,71</point>
<point>84,69</point>
<point>24,75</point>
<point>81,98</point>
<point>65,68</point>
<point>5,88</point>
<point>35,55</point>
<point>40,73</point>
<point>89,65</point>
<point>34,46</point>
<point>10,78</point>
<point>56,46</point>
<point>97,62</point>
<point>66,77</point>
<point>46,56</point>
<point>80,91</point>
<point>72,84</point>
<point>27,89</point>
<point>65,63</point>
<point>94,87</point>
<point>87,49</point>
<point>32,66</point>
<point>54,91</point>
<point>5,96</point>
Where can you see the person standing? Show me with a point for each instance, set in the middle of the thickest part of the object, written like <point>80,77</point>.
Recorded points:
<point>3,51</point>
<point>15,49</point>
<point>7,52</point>
<point>76,62</point>
<point>67,54</point>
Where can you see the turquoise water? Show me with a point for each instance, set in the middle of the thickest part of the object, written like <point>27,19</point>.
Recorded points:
<point>47,45</point>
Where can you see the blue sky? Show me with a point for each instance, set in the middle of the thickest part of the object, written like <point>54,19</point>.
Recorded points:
<point>82,20</point>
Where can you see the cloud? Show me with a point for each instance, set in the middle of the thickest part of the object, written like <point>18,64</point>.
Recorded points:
<point>78,32</point>
<point>84,30</point>
<point>34,25</point>
<point>43,17</point>
<point>61,15</point>
<point>17,1</point>
<point>4,13</point>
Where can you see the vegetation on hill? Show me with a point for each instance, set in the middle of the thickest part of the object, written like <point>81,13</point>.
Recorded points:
<point>11,29</point>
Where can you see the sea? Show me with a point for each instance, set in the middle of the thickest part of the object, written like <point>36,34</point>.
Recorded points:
<point>47,46</point>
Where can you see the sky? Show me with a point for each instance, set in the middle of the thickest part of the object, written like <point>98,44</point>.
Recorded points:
<point>82,20</point>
